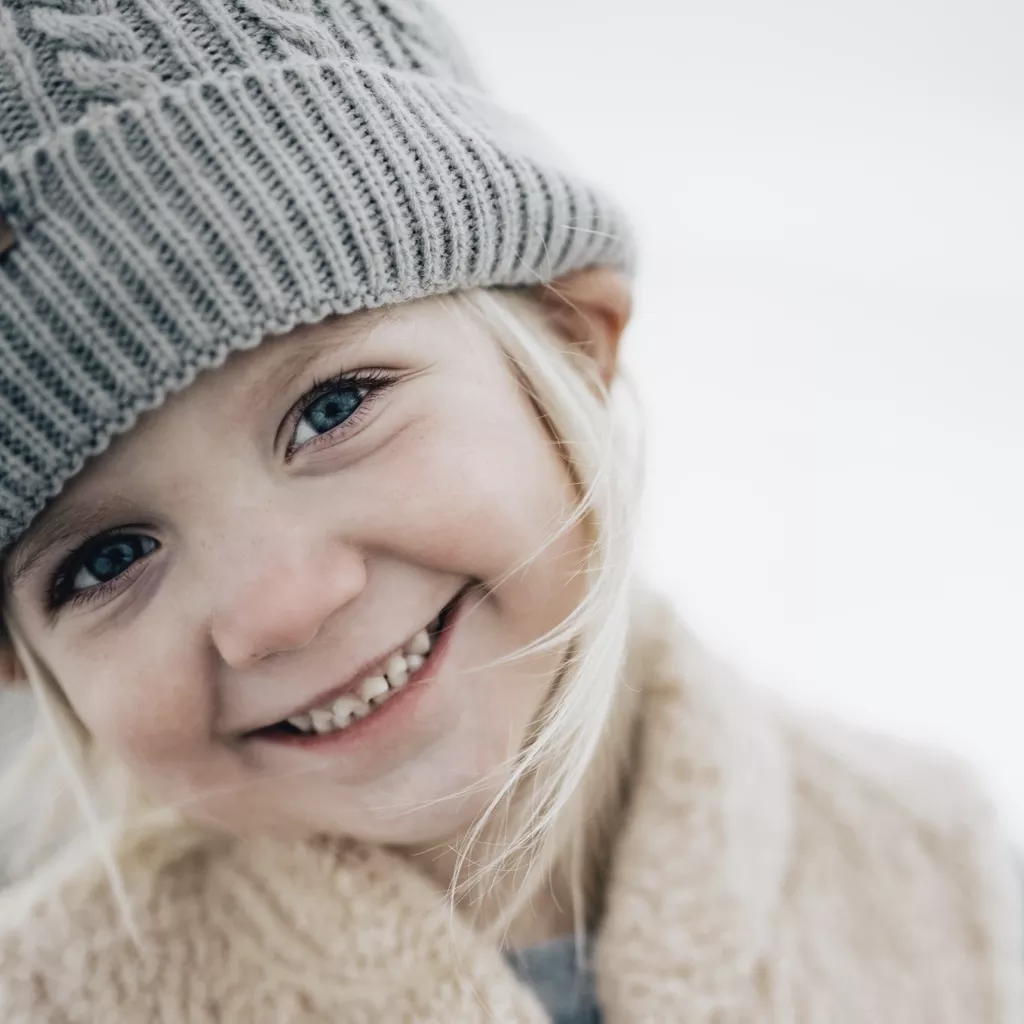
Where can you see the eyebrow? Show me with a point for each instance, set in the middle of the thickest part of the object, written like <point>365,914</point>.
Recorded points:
<point>62,524</point>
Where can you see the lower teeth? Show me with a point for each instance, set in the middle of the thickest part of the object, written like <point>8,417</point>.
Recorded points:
<point>414,662</point>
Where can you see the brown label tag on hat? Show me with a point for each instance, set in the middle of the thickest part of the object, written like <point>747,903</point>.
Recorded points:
<point>7,238</point>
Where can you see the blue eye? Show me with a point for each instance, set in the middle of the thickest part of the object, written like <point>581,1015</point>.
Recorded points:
<point>92,568</point>
<point>328,411</point>
<point>331,404</point>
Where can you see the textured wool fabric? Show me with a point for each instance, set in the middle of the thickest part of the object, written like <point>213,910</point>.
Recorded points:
<point>771,869</point>
<point>182,177</point>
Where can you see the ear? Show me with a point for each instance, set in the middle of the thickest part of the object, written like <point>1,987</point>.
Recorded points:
<point>590,309</point>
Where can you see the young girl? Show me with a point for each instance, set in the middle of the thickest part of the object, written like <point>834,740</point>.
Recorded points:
<point>315,514</point>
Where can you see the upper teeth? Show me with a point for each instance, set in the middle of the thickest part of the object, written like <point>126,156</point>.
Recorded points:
<point>371,692</point>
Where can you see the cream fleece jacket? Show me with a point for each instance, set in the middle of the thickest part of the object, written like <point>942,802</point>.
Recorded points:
<point>771,867</point>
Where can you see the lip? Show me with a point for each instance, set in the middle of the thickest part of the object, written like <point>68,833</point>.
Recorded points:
<point>453,611</point>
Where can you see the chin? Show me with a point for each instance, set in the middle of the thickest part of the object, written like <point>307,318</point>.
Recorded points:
<point>439,823</point>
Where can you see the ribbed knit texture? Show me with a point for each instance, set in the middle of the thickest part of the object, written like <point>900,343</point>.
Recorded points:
<point>183,177</point>
<point>770,869</point>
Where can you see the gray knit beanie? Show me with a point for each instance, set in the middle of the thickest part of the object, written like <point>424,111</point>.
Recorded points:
<point>179,178</point>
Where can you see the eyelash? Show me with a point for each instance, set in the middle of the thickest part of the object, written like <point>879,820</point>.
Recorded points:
<point>374,382</point>
<point>59,597</point>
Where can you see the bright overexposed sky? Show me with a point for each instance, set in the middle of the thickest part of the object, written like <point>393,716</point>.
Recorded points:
<point>829,337</point>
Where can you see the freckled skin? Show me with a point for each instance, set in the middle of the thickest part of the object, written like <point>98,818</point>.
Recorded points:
<point>275,580</point>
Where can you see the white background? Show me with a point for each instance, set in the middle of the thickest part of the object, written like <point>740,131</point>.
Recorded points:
<point>829,337</point>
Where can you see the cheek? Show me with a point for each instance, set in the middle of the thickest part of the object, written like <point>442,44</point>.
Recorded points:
<point>141,704</point>
<point>477,489</point>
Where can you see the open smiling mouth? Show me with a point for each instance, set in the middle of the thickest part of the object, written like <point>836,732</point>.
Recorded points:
<point>403,667</point>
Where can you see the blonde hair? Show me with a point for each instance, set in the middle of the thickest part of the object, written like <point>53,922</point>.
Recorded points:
<point>564,785</point>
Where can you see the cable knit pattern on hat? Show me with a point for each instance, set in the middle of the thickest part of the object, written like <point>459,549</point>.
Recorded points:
<point>771,869</point>
<point>95,52</point>
<point>184,177</point>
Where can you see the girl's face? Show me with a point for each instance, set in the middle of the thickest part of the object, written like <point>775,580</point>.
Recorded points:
<point>265,546</point>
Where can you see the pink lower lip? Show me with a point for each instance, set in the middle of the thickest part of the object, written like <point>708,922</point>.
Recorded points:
<point>386,713</point>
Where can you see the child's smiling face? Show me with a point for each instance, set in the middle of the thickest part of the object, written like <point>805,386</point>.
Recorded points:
<point>273,545</point>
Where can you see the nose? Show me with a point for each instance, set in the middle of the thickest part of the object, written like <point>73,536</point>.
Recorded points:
<point>289,588</point>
